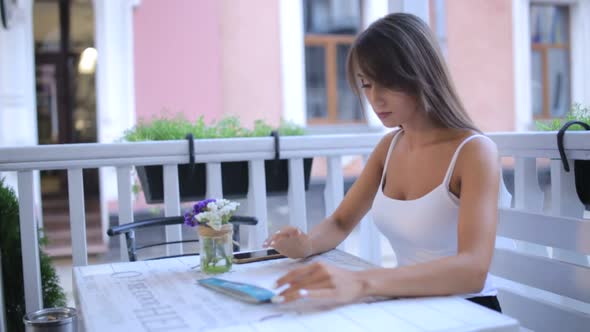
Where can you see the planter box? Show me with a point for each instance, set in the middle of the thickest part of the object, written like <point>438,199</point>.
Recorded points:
<point>234,178</point>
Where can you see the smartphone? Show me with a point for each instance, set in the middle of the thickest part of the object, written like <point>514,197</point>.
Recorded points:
<point>255,256</point>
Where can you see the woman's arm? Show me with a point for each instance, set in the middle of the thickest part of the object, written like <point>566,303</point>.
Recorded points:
<point>478,170</point>
<point>356,203</point>
<point>334,229</point>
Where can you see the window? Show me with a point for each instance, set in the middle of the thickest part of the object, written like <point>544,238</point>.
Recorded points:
<point>330,27</point>
<point>550,60</point>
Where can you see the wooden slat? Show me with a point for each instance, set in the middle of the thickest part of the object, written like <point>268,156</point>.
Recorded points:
<point>29,242</point>
<point>334,193</point>
<point>257,204</point>
<point>545,83</point>
<point>542,272</point>
<point>324,39</point>
<point>296,195</point>
<point>172,208</point>
<point>542,316</point>
<point>331,82</point>
<point>125,204</point>
<point>77,217</point>
<point>214,184</point>
<point>527,194</point>
<point>564,199</point>
<point>370,237</point>
<point>559,232</point>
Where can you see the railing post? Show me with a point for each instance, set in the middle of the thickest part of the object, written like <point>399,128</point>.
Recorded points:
<point>296,195</point>
<point>334,193</point>
<point>564,198</point>
<point>370,238</point>
<point>257,203</point>
<point>77,217</point>
<point>29,242</point>
<point>172,208</point>
<point>565,202</point>
<point>125,203</point>
<point>214,181</point>
<point>527,194</point>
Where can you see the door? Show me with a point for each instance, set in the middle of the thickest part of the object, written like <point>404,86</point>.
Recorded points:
<point>66,108</point>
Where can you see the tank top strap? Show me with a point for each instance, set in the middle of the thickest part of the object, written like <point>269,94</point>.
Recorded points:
<point>451,168</point>
<point>391,145</point>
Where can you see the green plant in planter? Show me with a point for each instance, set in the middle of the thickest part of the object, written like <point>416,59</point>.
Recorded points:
<point>576,113</point>
<point>163,129</point>
<point>12,267</point>
<point>192,179</point>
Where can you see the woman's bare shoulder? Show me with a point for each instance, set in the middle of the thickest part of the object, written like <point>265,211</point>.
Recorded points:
<point>479,152</point>
<point>384,144</point>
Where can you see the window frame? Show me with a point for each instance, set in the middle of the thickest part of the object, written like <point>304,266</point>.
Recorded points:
<point>543,49</point>
<point>330,42</point>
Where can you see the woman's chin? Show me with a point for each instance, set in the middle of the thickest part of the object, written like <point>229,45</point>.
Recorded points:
<point>390,124</point>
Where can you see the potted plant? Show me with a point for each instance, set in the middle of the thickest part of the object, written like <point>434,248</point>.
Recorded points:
<point>192,178</point>
<point>578,118</point>
<point>215,233</point>
<point>12,266</point>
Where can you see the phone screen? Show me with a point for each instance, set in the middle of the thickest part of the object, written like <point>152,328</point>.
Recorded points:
<point>258,255</point>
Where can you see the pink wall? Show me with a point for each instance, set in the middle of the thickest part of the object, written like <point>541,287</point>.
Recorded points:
<point>177,58</point>
<point>251,60</point>
<point>481,60</point>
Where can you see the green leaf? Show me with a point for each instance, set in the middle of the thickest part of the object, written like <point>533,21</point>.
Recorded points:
<point>176,128</point>
<point>576,113</point>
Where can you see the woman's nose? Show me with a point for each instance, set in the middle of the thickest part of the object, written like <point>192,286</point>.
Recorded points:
<point>376,97</point>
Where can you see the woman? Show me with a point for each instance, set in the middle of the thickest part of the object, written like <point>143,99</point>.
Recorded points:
<point>432,185</point>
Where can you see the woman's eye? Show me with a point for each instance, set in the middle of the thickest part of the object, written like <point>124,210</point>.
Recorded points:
<point>365,85</point>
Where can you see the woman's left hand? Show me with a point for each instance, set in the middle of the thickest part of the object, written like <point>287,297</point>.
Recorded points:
<point>321,282</point>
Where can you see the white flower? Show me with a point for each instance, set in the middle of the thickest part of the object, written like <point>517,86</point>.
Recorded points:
<point>212,206</point>
<point>216,213</point>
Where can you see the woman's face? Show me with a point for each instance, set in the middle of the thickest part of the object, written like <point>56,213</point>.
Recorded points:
<point>393,108</point>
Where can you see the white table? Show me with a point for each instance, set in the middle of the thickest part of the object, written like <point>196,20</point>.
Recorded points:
<point>163,295</point>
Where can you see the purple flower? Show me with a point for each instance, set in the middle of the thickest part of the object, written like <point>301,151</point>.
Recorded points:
<point>189,219</point>
<point>189,216</point>
<point>201,206</point>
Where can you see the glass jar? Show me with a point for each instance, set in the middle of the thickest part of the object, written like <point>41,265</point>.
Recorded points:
<point>216,249</point>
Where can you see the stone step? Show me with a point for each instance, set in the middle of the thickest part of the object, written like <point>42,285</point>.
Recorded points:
<point>56,227</point>
<point>66,251</point>
<point>60,242</point>
<point>60,221</point>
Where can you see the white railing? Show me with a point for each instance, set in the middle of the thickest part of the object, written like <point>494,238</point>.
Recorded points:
<point>563,227</point>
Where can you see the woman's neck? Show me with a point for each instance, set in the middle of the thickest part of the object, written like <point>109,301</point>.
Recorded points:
<point>423,131</point>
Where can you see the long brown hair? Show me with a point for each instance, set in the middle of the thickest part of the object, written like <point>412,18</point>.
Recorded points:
<point>399,52</point>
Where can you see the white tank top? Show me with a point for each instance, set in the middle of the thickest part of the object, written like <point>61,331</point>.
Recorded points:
<point>424,229</point>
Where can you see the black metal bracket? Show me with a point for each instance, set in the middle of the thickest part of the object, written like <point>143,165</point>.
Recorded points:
<point>275,134</point>
<point>560,135</point>
<point>191,149</point>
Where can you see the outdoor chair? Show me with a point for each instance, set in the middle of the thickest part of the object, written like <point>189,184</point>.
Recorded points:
<point>129,230</point>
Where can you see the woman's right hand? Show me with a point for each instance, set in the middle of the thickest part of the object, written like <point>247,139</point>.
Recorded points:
<point>291,242</point>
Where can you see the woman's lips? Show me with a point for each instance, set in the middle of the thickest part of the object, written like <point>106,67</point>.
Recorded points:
<point>383,115</point>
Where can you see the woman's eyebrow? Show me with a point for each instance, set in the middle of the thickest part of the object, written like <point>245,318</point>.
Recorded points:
<point>360,75</point>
